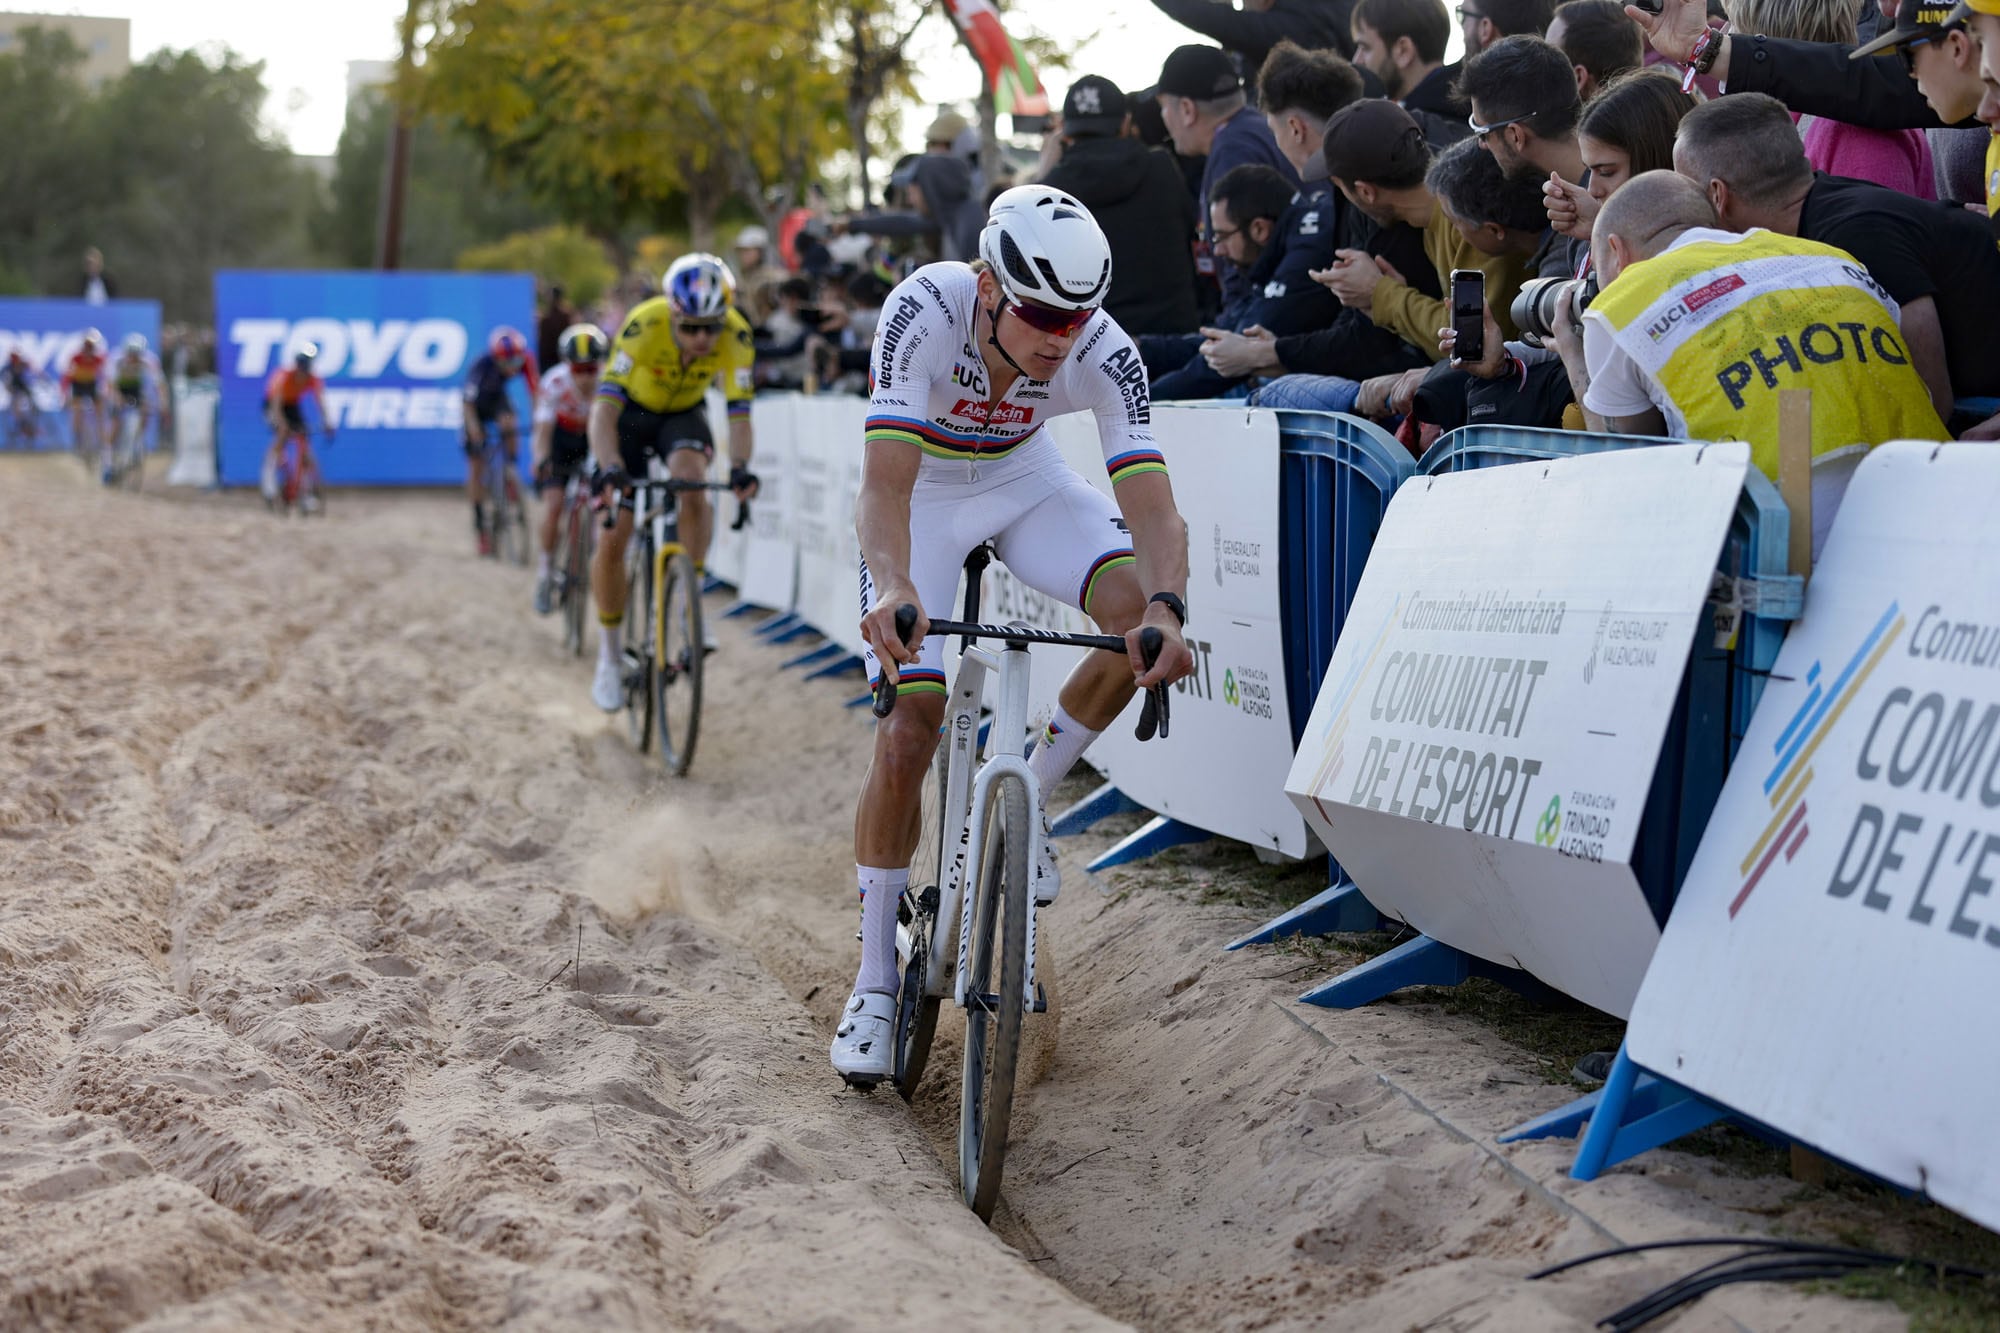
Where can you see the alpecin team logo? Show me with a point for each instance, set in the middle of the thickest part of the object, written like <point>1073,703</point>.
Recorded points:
<point>1809,725</point>
<point>1006,414</point>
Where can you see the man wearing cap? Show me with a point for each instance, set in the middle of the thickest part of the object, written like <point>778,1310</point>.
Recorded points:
<point>1982,18</point>
<point>1202,102</point>
<point>939,188</point>
<point>757,278</point>
<point>1376,155</point>
<point>1137,196</point>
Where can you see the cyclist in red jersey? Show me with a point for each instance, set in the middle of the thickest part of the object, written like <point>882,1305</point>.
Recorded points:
<point>80,377</point>
<point>284,397</point>
<point>561,449</point>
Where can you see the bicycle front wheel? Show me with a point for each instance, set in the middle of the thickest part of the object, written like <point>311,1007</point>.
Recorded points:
<point>994,1004</point>
<point>637,655</point>
<point>916,1012</point>
<point>677,664</point>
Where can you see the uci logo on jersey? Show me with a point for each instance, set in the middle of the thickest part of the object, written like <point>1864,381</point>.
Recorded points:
<point>423,349</point>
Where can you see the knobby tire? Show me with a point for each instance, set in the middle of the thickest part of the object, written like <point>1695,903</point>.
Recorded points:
<point>636,659</point>
<point>678,662</point>
<point>993,1038</point>
<point>916,1012</point>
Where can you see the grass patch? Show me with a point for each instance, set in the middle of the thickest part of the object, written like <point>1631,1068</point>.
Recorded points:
<point>1553,1033</point>
<point>1956,1305</point>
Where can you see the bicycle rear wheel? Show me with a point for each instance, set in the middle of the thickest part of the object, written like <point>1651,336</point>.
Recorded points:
<point>637,654</point>
<point>916,1012</point>
<point>994,1004</point>
<point>576,577</point>
<point>514,519</point>
<point>677,667</point>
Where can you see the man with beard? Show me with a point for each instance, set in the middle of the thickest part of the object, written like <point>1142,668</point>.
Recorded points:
<point>1401,42</point>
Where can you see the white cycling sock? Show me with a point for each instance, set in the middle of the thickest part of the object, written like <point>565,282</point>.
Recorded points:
<point>1057,749</point>
<point>881,890</point>
<point>607,641</point>
<point>542,569</point>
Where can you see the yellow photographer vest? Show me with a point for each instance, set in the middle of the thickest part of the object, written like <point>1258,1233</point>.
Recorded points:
<point>1723,324</point>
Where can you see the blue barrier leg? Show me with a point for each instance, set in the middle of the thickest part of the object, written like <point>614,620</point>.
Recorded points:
<point>777,625</point>
<point>1158,835</point>
<point>811,656</point>
<point>710,583</point>
<point>863,702</point>
<point>737,609</point>
<point>1627,1124</point>
<point>790,632</point>
<point>1103,803</point>
<point>1420,962</point>
<point>1340,907</point>
<point>839,666</point>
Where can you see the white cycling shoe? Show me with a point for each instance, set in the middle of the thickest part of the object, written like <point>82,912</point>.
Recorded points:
<point>607,689</point>
<point>1048,875</point>
<point>708,640</point>
<point>863,1050</point>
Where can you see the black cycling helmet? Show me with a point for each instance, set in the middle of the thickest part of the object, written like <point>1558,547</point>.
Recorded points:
<point>582,345</point>
<point>306,354</point>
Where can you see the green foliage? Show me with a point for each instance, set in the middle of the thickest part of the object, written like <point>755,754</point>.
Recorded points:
<point>164,169</point>
<point>451,204</point>
<point>562,255</point>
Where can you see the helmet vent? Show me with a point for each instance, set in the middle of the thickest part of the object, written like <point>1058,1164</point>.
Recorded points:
<point>1017,265</point>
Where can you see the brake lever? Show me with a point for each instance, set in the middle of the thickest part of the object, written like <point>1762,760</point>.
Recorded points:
<point>742,516</point>
<point>1153,712</point>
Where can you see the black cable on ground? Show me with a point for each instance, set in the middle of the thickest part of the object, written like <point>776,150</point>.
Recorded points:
<point>1747,1242</point>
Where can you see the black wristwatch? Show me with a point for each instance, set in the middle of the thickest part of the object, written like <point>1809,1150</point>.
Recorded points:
<point>1172,601</point>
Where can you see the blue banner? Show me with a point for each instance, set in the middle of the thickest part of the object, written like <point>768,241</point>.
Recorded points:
<point>394,349</point>
<point>47,333</point>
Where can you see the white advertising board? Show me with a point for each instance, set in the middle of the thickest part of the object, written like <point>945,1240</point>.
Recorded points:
<point>826,479</point>
<point>1832,967</point>
<point>760,560</point>
<point>1482,745</point>
<point>1222,768</point>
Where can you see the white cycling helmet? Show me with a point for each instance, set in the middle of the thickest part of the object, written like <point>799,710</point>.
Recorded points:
<point>699,286</point>
<point>1043,245</point>
<point>135,344</point>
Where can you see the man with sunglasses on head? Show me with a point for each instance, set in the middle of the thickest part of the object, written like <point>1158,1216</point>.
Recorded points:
<point>652,403</point>
<point>970,363</point>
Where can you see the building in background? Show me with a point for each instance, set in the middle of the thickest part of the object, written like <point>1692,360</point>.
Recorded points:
<point>106,43</point>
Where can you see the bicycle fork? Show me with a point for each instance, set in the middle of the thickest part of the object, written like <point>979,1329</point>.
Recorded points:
<point>1003,765</point>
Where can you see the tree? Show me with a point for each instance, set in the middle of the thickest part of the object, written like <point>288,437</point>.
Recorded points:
<point>561,255</point>
<point>875,48</point>
<point>452,203</point>
<point>616,114</point>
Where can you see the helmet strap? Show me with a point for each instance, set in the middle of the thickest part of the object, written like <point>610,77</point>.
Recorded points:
<point>994,338</point>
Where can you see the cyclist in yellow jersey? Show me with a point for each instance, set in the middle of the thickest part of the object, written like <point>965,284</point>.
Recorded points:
<point>651,403</point>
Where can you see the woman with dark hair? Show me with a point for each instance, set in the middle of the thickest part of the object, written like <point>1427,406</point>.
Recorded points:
<point>1626,130</point>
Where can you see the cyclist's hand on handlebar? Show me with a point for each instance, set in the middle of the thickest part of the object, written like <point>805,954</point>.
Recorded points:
<point>878,628</point>
<point>1174,660</point>
<point>743,483</point>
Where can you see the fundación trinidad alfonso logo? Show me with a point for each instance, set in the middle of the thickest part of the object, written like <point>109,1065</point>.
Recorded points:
<point>1550,824</point>
<point>1792,772</point>
<point>1230,694</point>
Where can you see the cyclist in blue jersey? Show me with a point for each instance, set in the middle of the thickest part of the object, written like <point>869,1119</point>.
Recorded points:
<point>487,408</point>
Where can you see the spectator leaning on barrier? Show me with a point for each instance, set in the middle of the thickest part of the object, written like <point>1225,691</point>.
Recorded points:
<point>1485,22</point>
<point>1376,156</point>
<point>1259,25</point>
<point>1600,40</point>
<point>1201,100</point>
<point>1895,159</point>
<point>1524,112</point>
<point>1136,195</point>
<point>1279,255</point>
<point>1697,330</point>
<point>1627,130</point>
<point>1937,262</point>
<point>1402,43</point>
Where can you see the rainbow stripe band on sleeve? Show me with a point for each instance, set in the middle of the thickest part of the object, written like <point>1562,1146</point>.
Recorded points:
<point>739,408</point>
<point>919,680</point>
<point>1125,466</point>
<point>615,392</point>
<point>1109,560</point>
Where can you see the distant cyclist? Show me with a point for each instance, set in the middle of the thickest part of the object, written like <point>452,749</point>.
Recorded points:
<point>971,361</point>
<point>137,381</point>
<point>652,405</point>
<point>80,376</point>
<point>285,393</point>
<point>487,408</point>
<point>18,376</point>
<point>558,443</point>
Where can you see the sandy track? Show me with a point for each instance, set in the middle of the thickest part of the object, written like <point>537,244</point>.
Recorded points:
<point>300,820</point>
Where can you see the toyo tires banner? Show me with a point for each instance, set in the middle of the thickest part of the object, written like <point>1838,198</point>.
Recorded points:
<point>48,332</point>
<point>394,351</point>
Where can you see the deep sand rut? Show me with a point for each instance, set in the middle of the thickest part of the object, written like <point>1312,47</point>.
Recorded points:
<point>300,825</point>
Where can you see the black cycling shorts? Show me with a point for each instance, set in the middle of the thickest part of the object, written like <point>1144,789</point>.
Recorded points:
<point>294,416</point>
<point>84,389</point>
<point>134,397</point>
<point>569,456</point>
<point>643,434</point>
<point>490,411</point>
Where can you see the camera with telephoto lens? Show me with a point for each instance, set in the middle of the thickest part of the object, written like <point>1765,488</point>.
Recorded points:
<point>1535,305</point>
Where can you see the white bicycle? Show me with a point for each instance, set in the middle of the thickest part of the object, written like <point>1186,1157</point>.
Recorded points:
<point>981,812</point>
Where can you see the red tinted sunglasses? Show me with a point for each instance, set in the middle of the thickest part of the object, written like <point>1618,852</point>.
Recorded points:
<point>583,367</point>
<point>1057,323</point>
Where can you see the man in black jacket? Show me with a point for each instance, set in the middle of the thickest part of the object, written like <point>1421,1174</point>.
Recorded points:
<point>1138,198</point>
<point>1251,32</point>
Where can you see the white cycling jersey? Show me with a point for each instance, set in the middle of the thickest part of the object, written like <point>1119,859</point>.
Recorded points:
<point>995,475</point>
<point>930,387</point>
<point>561,401</point>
